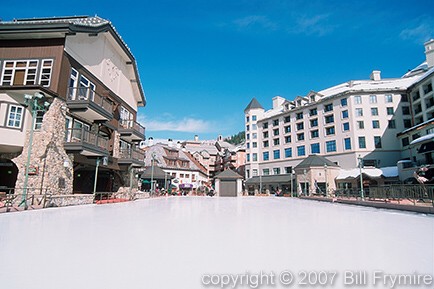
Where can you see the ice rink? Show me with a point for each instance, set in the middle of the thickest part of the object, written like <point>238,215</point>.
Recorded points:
<point>187,242</point>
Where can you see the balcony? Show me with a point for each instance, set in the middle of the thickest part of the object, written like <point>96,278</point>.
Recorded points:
<point>131,130</point>
<point>80,140</point>
<point>88,104</point>
<point>133,157</point>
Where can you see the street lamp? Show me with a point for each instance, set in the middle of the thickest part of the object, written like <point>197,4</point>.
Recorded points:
<point>361,177</point>
<point>152,172</point>
<point>36,103</point>
<point>325,178</point>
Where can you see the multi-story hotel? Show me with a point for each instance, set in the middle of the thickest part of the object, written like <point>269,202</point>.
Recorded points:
<point>69,95</point>
<point>373,120</point>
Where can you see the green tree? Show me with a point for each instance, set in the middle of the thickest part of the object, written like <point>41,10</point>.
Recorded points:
<point>236,139</point>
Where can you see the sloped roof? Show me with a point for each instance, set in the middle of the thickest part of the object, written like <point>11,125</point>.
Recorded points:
<point>315,161</point>
<point>254,103</point>
<point>228,174</point>
<point>271,179</point>
<point>157,173</point>
<point>62,26</point>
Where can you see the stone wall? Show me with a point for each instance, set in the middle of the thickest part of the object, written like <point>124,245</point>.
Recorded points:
<point>52,166</point>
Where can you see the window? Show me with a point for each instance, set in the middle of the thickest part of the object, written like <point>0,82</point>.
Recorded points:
<point>299,116</point>
<point>265,156</point>
<point>389,110</point>
<point>247,127</point>
<point>276,141</point>
<point>314,148</point>
<point>357,99</point>
<point>331,146</point>
<point>415,136</point>
<point>360,124</point>
<point>347,143</point>
<point>276,131</point>
<point>266,144</point>
<point>248,157</point>
<point>254,126</point>
<point>314,122</point>
<point>344,102</point>
<point>276,154</point>
<point>362,142</point>
<point>372,99</point>
<point>254,144</point>
<point>20,72</point>
<point>330,130</point>
<point>346,126</point>
<point>328,107</point>
<point>405,142</point>
<point>288,152</point>
<point>313,112</point>
<point>276,171</point>
<point>247,119</point>
<point>288,139</point>
<point>287,118</point>
<point>300,126</point>
<point>253,117</point>
<point>255,157</point>
<point>255,172</point>
<point>375,124</point>
<point>265,125</point>
<point>406,110</point>
<point>377,142</point>
<point>265,172</point>
<point>254,135</point>
<point>248,136</point>
<point>15,116</point>
<point>345,114</point>
<point>288,170</point>
<point>275,122</point>
<point>329,119</point>
<point>86,89</point>
<point>287,129</point>
<point>39,119</point>
<point>359,111</point>
<point>391,124</point>
<point>265,134</point>
<point>45,77</point>
<point>388,98</point>
<point>404,98</point>
<point>301,151</point>
<point>427,88</point>
<point>374,111</point>
<point>300,136</point>
<point>314,134</point>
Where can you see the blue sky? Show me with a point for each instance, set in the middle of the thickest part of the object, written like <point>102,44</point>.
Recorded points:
<point>201,62</point>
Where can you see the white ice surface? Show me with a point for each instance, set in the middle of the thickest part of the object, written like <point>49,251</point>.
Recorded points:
<point>170,243</point>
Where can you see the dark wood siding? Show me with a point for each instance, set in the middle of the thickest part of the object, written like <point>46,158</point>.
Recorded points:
<point>37,49</point>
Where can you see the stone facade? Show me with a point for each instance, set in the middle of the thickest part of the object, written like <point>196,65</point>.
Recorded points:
<point>51,167</point>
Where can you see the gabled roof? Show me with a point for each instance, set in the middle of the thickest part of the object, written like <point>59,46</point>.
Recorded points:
<point>315,161</point>
<point>60,27</point>
<point>155,173</point>
<point>228,174</point>
<point>254,104</point>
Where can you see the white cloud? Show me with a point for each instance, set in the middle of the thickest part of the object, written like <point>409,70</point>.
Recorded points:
<point>420,31</point>
<point>255,20</point>
<point>316,25</point>
<point>186,124</point>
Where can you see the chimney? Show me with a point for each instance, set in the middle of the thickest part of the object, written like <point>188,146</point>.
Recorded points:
<point>429,52</point>
<point>150,141</point>
<point>278,101</point>
<point>196,138</point>
<point>375,75</point>
<point>170,142</point>
<point>178,145</point>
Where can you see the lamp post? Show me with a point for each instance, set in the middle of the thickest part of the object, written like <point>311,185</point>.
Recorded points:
<point>152,172</point>
<point>326,183</point>
<point>362,195</point>
<point>36,103</point>
<point>305,182</point>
